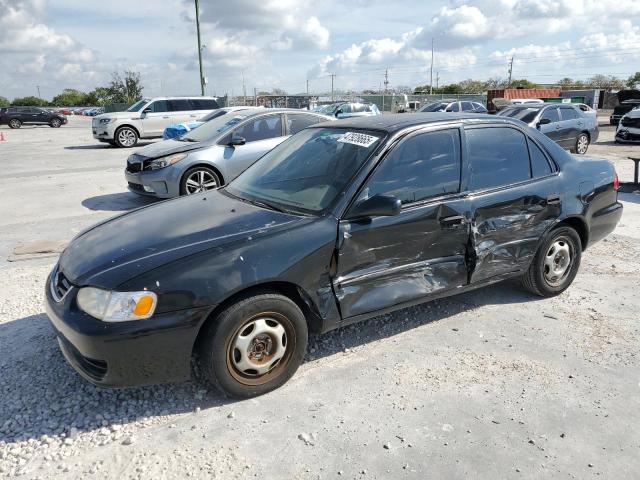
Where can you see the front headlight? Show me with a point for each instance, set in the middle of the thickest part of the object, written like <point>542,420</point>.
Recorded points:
<point>163,162</point>
<point>104,121</point>
<point>116,306</point>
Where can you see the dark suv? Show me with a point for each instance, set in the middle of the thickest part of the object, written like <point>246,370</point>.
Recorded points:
<point>15,117</point>
<point>620,110</point>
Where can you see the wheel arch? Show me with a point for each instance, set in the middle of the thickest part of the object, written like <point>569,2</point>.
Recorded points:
<point>115,132</point>
<point>286,289</point>
<point>579,225</point>
<point>203,164</point>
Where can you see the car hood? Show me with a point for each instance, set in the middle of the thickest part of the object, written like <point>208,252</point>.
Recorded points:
<point>131,244</point>
<point>635,113</point>
<point>167,147</point>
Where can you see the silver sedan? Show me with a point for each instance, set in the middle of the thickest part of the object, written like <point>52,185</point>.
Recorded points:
<point>214,153</point>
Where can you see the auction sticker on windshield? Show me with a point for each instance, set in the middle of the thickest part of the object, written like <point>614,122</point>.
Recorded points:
<point>359,139</point>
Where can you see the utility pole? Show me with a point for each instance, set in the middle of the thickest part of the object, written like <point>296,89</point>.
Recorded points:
<point>437,79</point>
<point>255,97</point>
<point>332,77</point>
<point>510,70</point>
<point>38,87</point>
<point>244,91</point>
<point>431,74</point>
<point>307,87</point>
<point>199,48</point>
<point>386,80</point>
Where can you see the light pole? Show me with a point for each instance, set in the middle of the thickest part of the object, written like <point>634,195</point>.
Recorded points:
<point>199,47</point>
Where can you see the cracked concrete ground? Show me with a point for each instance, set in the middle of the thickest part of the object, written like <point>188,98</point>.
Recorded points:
<point>494,383</point>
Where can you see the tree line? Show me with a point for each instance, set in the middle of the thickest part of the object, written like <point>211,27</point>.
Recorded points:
<point>602,82</point>
<point>125,88</point>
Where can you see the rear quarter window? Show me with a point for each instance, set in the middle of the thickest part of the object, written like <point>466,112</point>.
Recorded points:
<point>497,157</point>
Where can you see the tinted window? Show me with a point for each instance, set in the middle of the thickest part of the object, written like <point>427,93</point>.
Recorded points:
<point>478,107</point>
<point>159,106</point>
<point>569,113</point>
<point>551,114</point>
<point>497,157</point>
<point>423,166</point>
<point>204,104</point>
<point>346,108</point>
<point>260,129</point>
<point>539,163</point>
<point>300,122</point>
<point>454,107</point>
<point>358,108</point>
<point>467,106</point>
<point>434,107</point>
<point>182,105</point>
<point>525,114</point>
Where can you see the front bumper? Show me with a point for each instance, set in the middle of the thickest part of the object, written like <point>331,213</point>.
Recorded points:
<point>127,354</point>
<point>628,135</point>
<point>615,119</point>
<point>103,131</point>
<point>154,183</point>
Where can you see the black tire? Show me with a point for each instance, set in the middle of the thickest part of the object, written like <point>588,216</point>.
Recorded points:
<point>208,175</point>
<point>55,123</point>
<point>537,280</point>
<point>126,137</point>
<point>15,123</point>
<point>217,355</point>
<point>582,144</point>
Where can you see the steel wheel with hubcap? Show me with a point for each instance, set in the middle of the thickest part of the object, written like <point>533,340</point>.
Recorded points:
<point>198,179</point>
<point>126,137</point>
<point>582,144</point>
<point>253,346</point>
<point>556,263</point>
<point>15,123</point>
<point>55,123</point>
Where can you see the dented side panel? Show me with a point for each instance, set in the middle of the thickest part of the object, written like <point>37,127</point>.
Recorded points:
<point>506,226</point>
<point>388,261</point>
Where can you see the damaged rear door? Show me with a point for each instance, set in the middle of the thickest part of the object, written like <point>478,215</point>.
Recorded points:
<point>391,260</point>
<point>515,197</point>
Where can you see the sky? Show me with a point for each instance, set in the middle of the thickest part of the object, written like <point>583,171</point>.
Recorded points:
<point>57,44</point>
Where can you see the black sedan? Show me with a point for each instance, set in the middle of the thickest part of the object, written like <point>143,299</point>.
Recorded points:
<point>337,224</point>
<point>15,117</point>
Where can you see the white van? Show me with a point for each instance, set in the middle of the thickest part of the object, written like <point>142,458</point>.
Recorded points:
<point>148,118</point>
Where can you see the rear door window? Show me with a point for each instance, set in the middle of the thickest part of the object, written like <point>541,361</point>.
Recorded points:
<point>180,105</point>
<point>551,114</point>
<point>423,166</point>
<point>467,106</point>
<point>454,107</point>
<point>297,122</point>
<point>540,166</point>
<point>497,157</point>
<point>261,128</point>
<point>569,113</point>
<point>204,104</point>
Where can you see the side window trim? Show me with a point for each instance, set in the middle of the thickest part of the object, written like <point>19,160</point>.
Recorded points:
<point>550,161</point>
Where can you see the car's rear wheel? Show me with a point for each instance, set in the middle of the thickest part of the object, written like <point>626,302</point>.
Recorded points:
<point>582,144</point>
<point>254,346</point>
<point>556,263</point>
<point>199,179</point>
<point>15,123</point>
<point>126,137</point>
<point>55,123</point>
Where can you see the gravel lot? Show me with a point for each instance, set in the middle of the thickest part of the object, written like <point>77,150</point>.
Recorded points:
<point>491,384</point>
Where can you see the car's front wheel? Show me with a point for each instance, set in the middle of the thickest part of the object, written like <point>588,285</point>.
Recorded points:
<point>15,123</point>
<point>126,137</point>
<point>199,179</point>
<point>254,346</point>
<point>582,144</point>
<point>55,123</point>
<point>556,263</point>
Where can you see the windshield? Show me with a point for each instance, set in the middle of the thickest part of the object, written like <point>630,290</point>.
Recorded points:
<point>434,107</point>
<point>307,172</point>
<point>138,105</point>
<point>525,114</point>
<point>211,129</point>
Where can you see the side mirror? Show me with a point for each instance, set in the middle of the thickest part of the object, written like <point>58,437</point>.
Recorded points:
<point>544,121</point>
<point>339,112</point>
<point>237,141</point>
<point>376,206</point>
<point>146,110</point>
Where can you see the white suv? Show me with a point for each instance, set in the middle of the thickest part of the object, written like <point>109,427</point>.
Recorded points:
<point>148,118</point>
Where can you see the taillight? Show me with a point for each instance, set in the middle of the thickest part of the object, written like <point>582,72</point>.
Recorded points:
<point>616,182</point>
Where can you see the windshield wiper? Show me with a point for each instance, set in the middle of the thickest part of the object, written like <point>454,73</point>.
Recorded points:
<point>265,205</point>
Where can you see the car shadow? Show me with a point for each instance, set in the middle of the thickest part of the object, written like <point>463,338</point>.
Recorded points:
<point>101,146</point>
<point>43,395</point>
<point>117,202</point>
<point>627,193</point>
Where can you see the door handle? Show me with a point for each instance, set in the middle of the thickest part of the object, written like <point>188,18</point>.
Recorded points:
<point>452,221</point>
<point>553,199</point>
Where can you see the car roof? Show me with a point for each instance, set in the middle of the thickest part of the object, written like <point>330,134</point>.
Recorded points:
<point>399,121</point>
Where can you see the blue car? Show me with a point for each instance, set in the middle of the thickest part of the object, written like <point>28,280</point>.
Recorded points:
<point>176,130</point>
